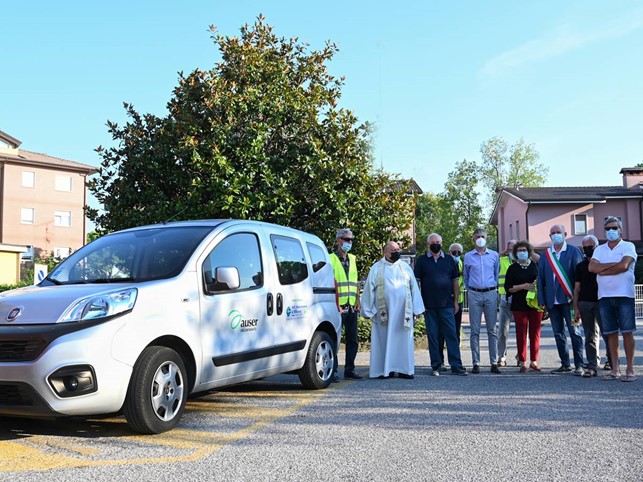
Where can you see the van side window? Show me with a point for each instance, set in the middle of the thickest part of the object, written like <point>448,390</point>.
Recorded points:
<point>240,251</point>
<point>317,256</point>
<point>291,263</point>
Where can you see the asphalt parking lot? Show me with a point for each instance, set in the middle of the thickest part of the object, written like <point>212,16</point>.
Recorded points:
<point>533,426</point>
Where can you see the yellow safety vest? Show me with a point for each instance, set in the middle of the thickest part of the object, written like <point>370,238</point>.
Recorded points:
<point>461,282</point>
<point>505,262</point>
<point>346,288</point>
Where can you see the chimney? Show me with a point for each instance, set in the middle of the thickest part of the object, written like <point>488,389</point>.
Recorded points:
<point>632,176</point>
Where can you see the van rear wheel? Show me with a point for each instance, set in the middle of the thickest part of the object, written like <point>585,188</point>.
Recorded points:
<point>318,369</point>
<point>157,392</point>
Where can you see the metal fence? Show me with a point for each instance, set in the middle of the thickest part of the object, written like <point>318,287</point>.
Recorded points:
<point>638,301</point>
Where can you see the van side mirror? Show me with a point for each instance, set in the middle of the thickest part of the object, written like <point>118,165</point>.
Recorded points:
<point>226,278</point>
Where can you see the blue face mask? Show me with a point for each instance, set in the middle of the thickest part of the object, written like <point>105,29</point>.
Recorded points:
<point>557,238</point>
<point>523,255</point>
<point>611,235</point>
<point>346,247</point>
<point>456,259</point>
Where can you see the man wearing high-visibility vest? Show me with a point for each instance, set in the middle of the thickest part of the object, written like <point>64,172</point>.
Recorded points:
<point>345,270</point>
<point>505,314</point>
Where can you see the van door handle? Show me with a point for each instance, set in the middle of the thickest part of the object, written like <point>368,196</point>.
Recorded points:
<point>280,304</point>
<point>269,304</point>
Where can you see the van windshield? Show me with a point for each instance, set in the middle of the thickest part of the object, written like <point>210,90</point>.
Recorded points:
<point>133,256</point>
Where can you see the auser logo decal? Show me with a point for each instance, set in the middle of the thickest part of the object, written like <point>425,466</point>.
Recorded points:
<point>246,324</point>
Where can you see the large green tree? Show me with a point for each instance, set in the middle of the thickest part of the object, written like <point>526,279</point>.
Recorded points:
<point>258,136</point>
<point>454,213</point>
<point>502,165</point>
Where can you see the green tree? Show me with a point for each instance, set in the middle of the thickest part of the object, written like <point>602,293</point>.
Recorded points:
<point>454,213</point>
<point>505,166</point>
<point>258,136</point>
<point>464,211</point>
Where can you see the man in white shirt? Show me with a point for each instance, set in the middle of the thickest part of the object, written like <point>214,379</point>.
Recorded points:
<point>613,263</point>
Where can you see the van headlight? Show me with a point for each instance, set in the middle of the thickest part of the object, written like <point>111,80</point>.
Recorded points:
<point>102,305</point>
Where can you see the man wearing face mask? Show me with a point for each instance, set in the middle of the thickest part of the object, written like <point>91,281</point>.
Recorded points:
<point>345,270</point>
<point>613,263</point>
<point>392,299</point>
<point>438,275</point>
<point>555,291</point>
<point>586,308</point>
<point>481,267</point>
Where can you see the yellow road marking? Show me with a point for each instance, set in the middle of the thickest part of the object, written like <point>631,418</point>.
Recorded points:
<point>24,454</point>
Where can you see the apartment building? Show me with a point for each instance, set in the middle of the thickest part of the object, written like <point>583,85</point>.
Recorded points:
<point>41,200</point>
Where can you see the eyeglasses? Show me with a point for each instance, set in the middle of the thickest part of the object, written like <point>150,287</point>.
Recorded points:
<point>611,228</point>
<point>347,239</point>
<point>456,253</point>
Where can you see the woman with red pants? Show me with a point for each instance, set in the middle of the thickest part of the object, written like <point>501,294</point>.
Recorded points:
<point>521,280</point>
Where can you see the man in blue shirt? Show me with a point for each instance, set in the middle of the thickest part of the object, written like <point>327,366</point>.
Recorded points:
<point>438,275</point>
<point>481,266</point>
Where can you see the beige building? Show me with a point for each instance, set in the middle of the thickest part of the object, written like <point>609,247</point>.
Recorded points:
<point>41,200</point>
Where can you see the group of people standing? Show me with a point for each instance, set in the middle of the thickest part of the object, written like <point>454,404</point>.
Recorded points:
<point>519,285</point>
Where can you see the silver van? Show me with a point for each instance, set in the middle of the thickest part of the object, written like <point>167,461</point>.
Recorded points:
<point>140,318</point>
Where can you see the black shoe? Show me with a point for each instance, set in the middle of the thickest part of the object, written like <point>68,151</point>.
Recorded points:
<point>405,376</point>
<point>335,379</point>
<point>351,375</point>
<point>562,369</point>
<point>392,374</point>
<point>382,377</point>
<point>476,369</point>
<point>458,371</point>
<point>495,369</point>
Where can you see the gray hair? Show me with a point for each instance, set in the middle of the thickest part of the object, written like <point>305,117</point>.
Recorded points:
<point>480,230</point>
<point>613,219</point>
<point>592,238</point>
<point>454,245</point>
<point>343,232</point>
<point>431,235</point>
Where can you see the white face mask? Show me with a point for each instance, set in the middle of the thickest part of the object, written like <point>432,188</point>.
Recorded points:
<point>481,242</point>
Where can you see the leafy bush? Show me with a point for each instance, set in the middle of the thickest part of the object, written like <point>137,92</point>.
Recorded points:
<point>364,332</point>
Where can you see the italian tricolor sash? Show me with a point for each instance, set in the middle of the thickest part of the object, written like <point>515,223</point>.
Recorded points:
<point>559,272</point>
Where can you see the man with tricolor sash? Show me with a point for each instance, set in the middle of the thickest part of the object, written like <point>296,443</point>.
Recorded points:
<point>555,291</point>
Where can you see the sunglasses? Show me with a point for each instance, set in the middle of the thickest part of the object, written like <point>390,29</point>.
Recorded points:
<point>348,240</point>
<point>456,253</point>
<point>611,228</point>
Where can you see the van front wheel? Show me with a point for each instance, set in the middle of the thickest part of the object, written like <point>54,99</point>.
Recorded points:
<point>318,369</point>
<point>157,392</point>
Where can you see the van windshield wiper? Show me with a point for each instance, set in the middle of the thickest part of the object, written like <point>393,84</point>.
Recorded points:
<point>110,280</point>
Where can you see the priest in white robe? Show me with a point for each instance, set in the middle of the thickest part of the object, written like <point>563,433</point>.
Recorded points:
<point>392,300</point>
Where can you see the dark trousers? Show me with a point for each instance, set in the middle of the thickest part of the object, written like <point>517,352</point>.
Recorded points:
<point>349,321</point>
<point>560,316</point>
<point>441,319</point>
<point>458,330</point>
<point>592,326</point>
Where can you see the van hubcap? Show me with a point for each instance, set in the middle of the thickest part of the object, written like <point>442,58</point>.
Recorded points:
<point>324,360</point>
<point>167,391</point>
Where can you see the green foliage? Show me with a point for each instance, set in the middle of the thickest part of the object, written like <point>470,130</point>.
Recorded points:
<point>7,287</point>
<point>364,331</point>
<point>258,136</point>
<point>515,166</point>
<point>92,236</point>
<point>454,213</point>
<point>638,271</point>
<point>27,269</point>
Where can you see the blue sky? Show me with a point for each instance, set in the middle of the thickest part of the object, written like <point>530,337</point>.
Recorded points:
<point>437,78</point>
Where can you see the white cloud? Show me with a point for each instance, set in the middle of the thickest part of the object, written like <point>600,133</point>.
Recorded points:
<point>564,39</point>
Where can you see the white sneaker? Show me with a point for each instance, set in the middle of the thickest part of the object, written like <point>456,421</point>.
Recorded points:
<point>579,371</point>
